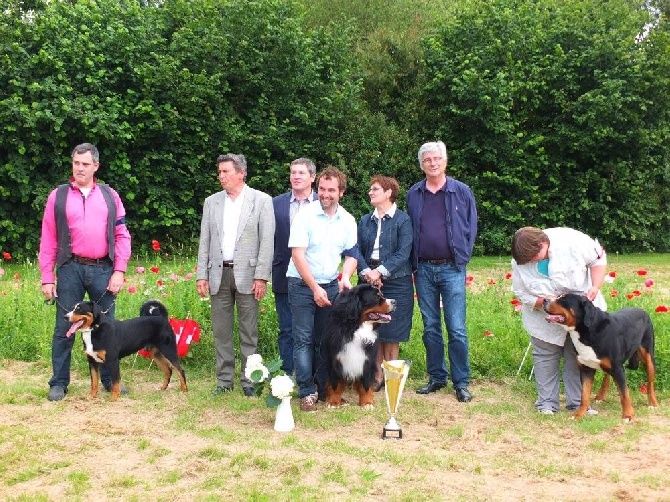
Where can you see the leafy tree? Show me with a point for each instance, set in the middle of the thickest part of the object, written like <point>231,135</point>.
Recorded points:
<point>557,113</point>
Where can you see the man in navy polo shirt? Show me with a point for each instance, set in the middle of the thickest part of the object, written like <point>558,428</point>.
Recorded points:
<point>444,220</point>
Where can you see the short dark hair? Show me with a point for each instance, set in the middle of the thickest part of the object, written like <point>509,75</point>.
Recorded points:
<point>311,167</point>
<point>526,243</point>
<point>331,172</point>
<point>387,183</point>
<point>86,147</point>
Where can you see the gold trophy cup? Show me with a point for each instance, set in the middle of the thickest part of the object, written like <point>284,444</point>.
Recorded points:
<point>395,376</point>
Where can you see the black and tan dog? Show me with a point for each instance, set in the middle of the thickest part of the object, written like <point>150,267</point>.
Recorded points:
<point>350,350</point>
<point>606,341</point>
<point>112,340</point>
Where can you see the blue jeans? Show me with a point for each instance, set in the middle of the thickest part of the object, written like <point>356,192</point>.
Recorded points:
<point>285,340</point>
<point>309,322</point>
<point>446,283</point>
<point>74,280</point>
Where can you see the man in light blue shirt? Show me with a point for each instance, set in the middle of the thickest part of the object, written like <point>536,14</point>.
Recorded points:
<point>321,235</point>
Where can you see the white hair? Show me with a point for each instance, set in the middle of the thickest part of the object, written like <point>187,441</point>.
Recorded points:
<point>432,146</point>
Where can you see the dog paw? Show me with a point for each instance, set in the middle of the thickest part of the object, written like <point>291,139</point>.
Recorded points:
<point>368,406</point>
<point>627,420</point>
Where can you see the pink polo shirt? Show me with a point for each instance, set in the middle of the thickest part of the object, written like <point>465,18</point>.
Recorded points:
<point>87,220</point>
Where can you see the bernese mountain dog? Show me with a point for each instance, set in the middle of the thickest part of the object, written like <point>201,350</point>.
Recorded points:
<point>107,341</point>
<point>606,341</point>
<point>350,350</point>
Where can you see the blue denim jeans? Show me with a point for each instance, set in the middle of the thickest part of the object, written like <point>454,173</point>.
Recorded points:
<point>309,323</point>
<point>285,340</point>
<point>74,280</point>
<point>446,283</point>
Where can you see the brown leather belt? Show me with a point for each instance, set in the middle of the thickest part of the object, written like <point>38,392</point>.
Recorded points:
<point>91,261</point>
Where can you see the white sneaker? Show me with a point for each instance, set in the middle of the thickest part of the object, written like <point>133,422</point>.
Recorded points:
<point>545,412</point>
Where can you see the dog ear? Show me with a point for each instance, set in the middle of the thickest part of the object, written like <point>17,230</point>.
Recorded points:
<point>590,313</point>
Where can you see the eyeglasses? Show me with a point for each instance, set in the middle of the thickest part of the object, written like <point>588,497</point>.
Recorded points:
<point>430,160</point>
<point>375,189</point>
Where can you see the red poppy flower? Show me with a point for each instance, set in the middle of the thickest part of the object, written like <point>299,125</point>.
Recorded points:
<point>649,283</point>
<point>612,274</point>
<point>636,292</point>
<point>155,245</point>
<point>661,309</point>
<point>642,272</point>
<point>630,296</point>
<point>132,290</point>
<point>508,275</point>
<point>155,269</point>
<point>159,283</point>
<point>488,333</point>
<point>614,293</point>
<point>643,388</point>
<point>491,282</point>
<point>6,255</point>
<point>515,301</point>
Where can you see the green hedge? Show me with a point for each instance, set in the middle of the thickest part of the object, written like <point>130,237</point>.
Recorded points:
<point>556,112</point>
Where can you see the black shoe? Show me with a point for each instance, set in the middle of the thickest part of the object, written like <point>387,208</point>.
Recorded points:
<point>108,388</point>
<point>56,393</point>
<point>249,391</point>
<point>463,395</point>
<point>221,389</point>
<point>431,386</point>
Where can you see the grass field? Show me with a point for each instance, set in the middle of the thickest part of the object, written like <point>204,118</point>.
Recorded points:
<point>174,446</point>
<point>497,339</point>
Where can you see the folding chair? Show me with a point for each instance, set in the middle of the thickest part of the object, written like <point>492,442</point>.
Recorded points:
<point>523,360</point>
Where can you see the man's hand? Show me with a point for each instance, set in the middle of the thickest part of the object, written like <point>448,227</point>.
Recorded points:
<point>49,291</point>
<point>259,288</point>
<point>202,286</point>
<point>115,282</point>
<point>592,293</point>
<point>321,297</point>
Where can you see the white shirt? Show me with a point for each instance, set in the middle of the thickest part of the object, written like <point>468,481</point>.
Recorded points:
<point>571,255</point>
<point>375,215</point>
<point>231,218</point>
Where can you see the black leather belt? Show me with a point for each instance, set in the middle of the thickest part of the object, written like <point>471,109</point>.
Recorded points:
<point>228,264</point>
<point>374,263</point>
<point>435,262</point>
<point>91,261</point>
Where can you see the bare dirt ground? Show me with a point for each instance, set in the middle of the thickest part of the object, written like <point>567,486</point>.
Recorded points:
<point>170,446</point>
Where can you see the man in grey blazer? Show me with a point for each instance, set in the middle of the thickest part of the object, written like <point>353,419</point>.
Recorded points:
<point>234,264</point>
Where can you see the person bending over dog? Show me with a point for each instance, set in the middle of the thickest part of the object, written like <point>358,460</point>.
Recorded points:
<point>546,264</point>
<point>86,245</point>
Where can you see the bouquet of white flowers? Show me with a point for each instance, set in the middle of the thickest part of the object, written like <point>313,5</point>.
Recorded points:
<point>281,386</point>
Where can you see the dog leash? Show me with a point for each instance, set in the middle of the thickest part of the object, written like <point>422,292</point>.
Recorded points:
<point>54,301</point>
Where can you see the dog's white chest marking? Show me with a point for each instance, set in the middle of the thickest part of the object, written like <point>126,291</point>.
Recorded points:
<point>352,357</point>
<point>585,354</point>
<point>86,336</point>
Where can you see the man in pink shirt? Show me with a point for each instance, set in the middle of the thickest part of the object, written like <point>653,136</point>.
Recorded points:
<point>86,244</point>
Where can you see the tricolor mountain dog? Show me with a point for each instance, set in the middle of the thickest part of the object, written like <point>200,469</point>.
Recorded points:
<point>107,341</point>
<point>350,350</point>
<point>606,341</point>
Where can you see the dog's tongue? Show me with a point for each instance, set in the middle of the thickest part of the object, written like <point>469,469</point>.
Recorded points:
<point>376,316</point>
<point>73,327</point>
<point>555,318</point>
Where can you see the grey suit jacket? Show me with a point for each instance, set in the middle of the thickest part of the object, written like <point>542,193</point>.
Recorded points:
<point>254,246</point>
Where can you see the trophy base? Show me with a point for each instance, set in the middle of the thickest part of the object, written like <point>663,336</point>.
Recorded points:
<point>391,433</point>
<point>392,430</point>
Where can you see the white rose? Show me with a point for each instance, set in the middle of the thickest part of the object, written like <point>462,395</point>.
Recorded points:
<point>281,386</point>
